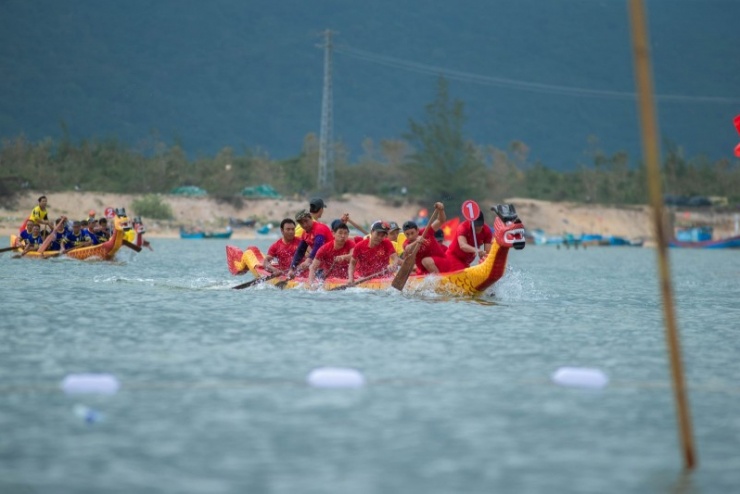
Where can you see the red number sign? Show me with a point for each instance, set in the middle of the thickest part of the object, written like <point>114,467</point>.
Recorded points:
<point>110,213</point>
<point>470,210</point>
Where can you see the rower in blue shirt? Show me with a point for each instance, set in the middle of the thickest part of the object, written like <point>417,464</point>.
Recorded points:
<point>77,238</point>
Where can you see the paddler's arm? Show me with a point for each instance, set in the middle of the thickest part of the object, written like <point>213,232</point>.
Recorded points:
<point>317,243</point>
<point>297,258</point>
<point>312,272</point>
<point>441,216</point>
<point>466,247</point>
<point>267,265</point>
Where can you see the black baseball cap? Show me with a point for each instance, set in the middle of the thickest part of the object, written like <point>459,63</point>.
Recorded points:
<point>316,204</point>
<point>409,225</point>
<point>380,226</point>
<point>393,226</point>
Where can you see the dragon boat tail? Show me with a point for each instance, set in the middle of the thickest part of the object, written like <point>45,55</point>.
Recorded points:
<point>472,281</point>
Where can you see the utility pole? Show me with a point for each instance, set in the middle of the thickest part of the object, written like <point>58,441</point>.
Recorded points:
<point>326,158</point>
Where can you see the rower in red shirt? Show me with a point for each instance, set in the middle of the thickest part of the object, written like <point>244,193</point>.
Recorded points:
<point>314,235</point>
<point>280,254</point>
<point>461,252</point>
<point>430,252</point>
<point>332,259</point>
<point>374,253</point>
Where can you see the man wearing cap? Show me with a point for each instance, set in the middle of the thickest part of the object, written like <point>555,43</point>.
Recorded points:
<point>430,255</point>
<point>76,238</point>
<point>397,237</point>
<point>373,254</point>
<point>467,236</point>
<point>282,251</point>
<point>332,259</point>
<point>316,207</point>
<point>314,235</point>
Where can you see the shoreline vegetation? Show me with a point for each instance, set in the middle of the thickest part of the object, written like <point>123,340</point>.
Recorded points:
<point>209,214</point>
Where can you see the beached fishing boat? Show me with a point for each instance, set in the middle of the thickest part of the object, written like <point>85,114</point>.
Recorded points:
<point>106,250</point>
<point>701,238</point>
<point>473,281</point>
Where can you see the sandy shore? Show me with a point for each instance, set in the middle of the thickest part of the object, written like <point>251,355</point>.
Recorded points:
<point>208,214</point>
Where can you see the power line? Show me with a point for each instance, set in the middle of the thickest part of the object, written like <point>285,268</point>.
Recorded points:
<point>515,83</point>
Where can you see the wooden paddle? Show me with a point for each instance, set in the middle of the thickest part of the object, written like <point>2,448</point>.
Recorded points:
<point>131,245</point>
<point>358,282</point>
<point>257,280</point>
<point>50,237</point>
<point>409,261</point>
<point>7,249</point>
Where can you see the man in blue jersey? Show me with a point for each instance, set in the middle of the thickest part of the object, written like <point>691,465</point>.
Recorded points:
<point>34,241</point>
<point>76,238</point>
<point>86,230</point>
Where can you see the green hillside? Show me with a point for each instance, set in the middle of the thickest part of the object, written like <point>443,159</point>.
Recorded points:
<point>556,75</point>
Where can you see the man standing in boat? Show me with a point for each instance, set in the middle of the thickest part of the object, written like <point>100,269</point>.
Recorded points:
<point>314,235</point>
<point>332,259</point>
<point>374,254</point>
<point>280,254</point>
<point>39,214</point>
<point>430,256</point>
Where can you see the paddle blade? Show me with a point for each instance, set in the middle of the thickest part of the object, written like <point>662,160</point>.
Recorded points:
<point>737,123</point>
<point>409,263</point>
<point>255,281</point>
<point>50,237</point>
<point>737,150</point>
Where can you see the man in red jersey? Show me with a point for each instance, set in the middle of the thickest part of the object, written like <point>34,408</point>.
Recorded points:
<point>430,253</point>
<point>314,235</point>
<point>280,254</point>
<point>373,254</point>
<point>461,252</point>
<point>316,208</point>
<point>332,259</point>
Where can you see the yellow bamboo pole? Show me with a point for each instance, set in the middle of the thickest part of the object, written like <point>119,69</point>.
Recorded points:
<point>649,127</point>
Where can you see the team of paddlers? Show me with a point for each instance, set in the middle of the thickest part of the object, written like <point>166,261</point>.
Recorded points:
<point>310,246</point>
<point>68,234</point>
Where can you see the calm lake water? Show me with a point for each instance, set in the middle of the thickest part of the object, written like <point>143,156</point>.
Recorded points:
<point>458,396</point>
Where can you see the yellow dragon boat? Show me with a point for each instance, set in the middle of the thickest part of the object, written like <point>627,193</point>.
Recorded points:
<point>106,250</point>
<point>472,281</point>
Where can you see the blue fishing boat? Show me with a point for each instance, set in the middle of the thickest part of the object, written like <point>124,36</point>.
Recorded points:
<point>701,238</point>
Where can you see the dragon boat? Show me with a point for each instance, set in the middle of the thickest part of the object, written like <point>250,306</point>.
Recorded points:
<point>106,250</point>
<point>472,281</point>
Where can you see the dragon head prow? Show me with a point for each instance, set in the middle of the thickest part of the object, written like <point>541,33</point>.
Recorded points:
<point>507,227</point>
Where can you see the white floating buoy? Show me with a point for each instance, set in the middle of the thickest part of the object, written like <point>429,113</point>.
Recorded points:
<point>90,383</point>
<point>580,377</point>
<point>335,377</point>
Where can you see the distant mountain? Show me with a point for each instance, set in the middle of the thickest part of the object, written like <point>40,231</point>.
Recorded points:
<point>249,74</point>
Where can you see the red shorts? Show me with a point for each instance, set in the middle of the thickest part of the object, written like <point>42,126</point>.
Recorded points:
<point>448,264</point>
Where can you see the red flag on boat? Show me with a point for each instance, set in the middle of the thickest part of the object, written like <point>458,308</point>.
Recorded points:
<point>449,228</point>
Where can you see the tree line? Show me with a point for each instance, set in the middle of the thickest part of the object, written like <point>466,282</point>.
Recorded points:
<point>432,161</point>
